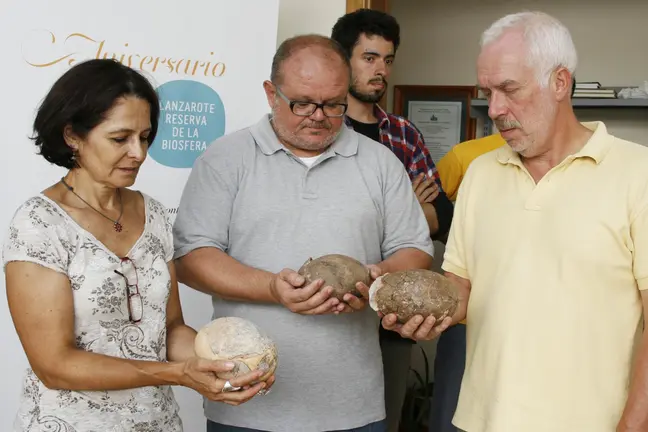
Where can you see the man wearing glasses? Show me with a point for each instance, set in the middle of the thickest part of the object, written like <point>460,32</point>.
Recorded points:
<point>260,202</point>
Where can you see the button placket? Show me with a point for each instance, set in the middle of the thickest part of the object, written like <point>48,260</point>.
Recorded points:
<point>542,190</point>
<point>306,192</point>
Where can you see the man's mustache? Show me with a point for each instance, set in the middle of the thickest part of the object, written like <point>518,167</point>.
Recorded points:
<point>504,124</point>
<point>315,125</point>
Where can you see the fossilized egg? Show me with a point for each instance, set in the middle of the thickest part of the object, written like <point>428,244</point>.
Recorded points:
<point>409,293</point>
<point>338,271</point>
<point>240,341</point>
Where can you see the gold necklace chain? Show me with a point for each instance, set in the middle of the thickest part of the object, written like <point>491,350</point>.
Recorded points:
<point>116,224</point>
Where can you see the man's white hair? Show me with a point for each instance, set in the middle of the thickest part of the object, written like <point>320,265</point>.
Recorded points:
<point>550,43</point>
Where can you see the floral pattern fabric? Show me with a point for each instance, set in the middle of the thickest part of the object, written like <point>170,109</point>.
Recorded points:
<point>42,232</point>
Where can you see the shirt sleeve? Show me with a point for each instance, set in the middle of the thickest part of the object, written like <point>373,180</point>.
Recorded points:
<point>450,174</point>
<point>405,225</point>
<point>206,206</point>
<point>421,160</point>
<point>165,228</point>
<point>35,235</point>
<point>454,258</point>
<point>639,235</point>
<point>168,247</point>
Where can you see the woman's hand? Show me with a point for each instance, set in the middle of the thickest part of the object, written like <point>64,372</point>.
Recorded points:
<point>200,375</point>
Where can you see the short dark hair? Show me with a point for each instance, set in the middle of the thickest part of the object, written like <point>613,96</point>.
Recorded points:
<point>81,98</point>
<point>292,45</point>
<point>349,27</point>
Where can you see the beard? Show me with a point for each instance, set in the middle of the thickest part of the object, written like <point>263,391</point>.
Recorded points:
<point>368,97</point>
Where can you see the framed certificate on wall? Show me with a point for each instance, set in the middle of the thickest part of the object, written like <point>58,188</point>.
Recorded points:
<point>441,113</point>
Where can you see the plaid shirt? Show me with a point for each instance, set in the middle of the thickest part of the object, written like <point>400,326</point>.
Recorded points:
<point>406,142</point>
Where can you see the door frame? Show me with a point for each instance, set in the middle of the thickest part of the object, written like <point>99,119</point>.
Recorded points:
<point>381,5</point>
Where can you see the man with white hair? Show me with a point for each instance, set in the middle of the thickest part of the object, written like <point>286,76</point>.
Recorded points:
<point>549,247</point>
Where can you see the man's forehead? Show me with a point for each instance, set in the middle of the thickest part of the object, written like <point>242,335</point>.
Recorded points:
<point>315,86</point>
<point>375,44</point>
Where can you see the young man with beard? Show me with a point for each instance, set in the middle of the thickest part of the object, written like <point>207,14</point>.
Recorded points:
<point>370,39</point>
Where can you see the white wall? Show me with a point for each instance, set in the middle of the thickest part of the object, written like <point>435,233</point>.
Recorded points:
<point>308,16</point>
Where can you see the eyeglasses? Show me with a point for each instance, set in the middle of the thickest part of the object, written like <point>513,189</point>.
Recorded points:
<point>135,303</point>
<point>305,109</point>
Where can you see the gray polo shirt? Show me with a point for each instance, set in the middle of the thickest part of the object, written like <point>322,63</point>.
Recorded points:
<point>252,198</point>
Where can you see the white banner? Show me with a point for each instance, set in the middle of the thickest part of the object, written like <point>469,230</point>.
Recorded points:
<point>207,58</point>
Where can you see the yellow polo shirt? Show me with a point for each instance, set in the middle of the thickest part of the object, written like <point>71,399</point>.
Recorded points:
<point>556,269</point>
<point>452,167</point>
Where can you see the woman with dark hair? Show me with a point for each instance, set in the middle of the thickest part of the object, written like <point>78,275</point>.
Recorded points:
<point>90,279</point>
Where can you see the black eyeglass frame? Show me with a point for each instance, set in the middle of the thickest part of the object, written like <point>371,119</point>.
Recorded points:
<point>291,103</point>
<point>130,297</point>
